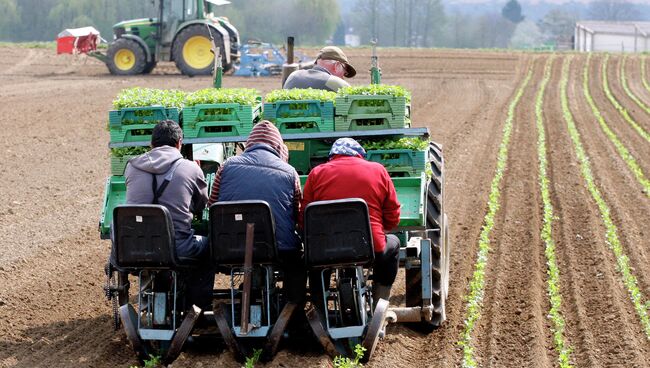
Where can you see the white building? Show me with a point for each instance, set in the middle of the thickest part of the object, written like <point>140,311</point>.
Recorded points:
<point>612,36</point>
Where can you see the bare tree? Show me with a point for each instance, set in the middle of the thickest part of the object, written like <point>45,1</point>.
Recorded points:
<point>614,10</point>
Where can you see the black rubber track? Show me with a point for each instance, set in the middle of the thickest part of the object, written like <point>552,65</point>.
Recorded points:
<point>435,220</point>
<point>125,43</point>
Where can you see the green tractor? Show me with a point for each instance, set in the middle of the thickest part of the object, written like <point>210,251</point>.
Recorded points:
<point>182,33</point>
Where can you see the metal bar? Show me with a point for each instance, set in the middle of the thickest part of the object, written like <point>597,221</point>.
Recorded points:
<point>404,314</point>
<point>248,269</point>
<point>421,132</point>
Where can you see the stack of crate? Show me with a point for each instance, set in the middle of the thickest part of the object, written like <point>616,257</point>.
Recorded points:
<point>369,112</point>
<point>130,127</point>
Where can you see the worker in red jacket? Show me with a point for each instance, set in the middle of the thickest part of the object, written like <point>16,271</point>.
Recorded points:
<point>349,175</point>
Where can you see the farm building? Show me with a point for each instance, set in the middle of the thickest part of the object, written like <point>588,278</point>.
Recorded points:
<point>612,36</point>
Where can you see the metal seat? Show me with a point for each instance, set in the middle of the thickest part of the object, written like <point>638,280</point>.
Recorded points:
<point>143,237</point>
<point>338,233</point>
<point>228,232</point>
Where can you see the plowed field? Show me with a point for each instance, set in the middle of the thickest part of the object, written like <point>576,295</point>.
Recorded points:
<point>55,160</point>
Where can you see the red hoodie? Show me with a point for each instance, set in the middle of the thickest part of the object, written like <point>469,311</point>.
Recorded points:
<point>354,177</point>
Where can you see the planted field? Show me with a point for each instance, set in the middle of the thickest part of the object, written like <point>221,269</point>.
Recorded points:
<point>547,195</point>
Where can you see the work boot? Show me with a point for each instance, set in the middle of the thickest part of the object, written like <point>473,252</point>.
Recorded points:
<point>379,291</point>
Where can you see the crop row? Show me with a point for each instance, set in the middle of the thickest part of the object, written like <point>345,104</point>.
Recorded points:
<point>620,148</point>
<point>555,313</point>
<point>630,281</point>
<point>477,284</point>
<point>643,78</point>
<point>617,105</point>
<point>626,88</point>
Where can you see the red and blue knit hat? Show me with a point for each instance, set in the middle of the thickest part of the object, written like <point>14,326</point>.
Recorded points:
<point>267,133</point>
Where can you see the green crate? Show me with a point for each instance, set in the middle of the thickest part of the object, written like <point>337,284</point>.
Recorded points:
<point>131,133</point>
<point>118,164</point>
<point>305,155</point>
<point>362,112</point>
<point>301,116</point>
<point>141,115</point>
<point>114,195</point>
<point>409,194</point>
<point>399,162</point>
<point>220,120</point>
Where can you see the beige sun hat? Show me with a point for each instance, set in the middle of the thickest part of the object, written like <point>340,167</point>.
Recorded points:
<point>335,53</point>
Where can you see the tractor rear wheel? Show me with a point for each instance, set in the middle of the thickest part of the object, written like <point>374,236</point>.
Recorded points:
<point>191,50</point>
<point>126,57</point>
<point>149,67</point>
<point>436,219</point>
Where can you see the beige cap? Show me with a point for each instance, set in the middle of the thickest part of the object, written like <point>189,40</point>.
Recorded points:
<point>335,53</point>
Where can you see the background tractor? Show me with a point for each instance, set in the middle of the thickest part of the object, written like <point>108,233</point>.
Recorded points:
<point>181,33</point>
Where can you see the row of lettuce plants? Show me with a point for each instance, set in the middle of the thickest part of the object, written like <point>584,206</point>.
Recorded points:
<point>553,271</point>
<point>474,298</point>
<point>639,301</point>
<point>625,154</point>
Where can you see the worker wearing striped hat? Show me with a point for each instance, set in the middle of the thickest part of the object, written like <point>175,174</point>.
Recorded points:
<point>262,172</point>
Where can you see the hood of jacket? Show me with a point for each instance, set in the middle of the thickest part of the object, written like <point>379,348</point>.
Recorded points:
<point>157,161</point>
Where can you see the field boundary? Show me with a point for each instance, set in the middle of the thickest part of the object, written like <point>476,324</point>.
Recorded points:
<point>629,280</point>
<point>617,105</point>
<point>477,284</point>
<point>553,271</point>
<point>620,148</point>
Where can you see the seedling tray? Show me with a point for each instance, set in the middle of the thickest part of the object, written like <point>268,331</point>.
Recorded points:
<point>363,112</point>
<point>141,115</point>
<point>220,120</point>
<point>301,116</point>
<point>402,162</point>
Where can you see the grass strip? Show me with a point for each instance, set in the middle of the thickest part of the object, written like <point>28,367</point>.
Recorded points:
<point>626,88</point>
<point>477,284</point>
<point>643,78</point>
<point>613,242</point>
<point>553,271</point>
<point>620,148</point>
<point>618,106</point>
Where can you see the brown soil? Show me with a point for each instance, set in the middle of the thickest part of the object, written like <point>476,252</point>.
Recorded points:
<point>52,309</point>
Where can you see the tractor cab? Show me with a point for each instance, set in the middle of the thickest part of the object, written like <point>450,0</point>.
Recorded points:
<point>181,32</point>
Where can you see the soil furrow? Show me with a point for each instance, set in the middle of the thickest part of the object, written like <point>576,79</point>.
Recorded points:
<point>470,141</point>
<point>633,73</point>
<point>629,205</point>
<point>515,303</point>
<point>635,143</point>
<point>616,86</point>
<point>596,301</point>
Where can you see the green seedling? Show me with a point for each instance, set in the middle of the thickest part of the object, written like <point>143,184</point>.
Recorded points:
<point>300,94</point>
<point>613,242</point>
<point>376,90</point>
<point>242,96</point>
<point>553,271</point>
<point>477,283</point>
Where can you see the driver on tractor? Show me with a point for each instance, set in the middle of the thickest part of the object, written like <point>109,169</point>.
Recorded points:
<point>349,175</point>
<point>162,176</point>
<point>330,67</point>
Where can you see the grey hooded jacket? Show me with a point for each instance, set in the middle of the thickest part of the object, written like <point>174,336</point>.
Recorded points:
<point>185,194</point>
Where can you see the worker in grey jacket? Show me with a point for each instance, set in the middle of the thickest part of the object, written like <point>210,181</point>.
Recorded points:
<point>181,188</point>
<point>330,67</point>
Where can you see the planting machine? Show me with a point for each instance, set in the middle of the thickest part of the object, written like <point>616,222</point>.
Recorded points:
<point>253,312</point>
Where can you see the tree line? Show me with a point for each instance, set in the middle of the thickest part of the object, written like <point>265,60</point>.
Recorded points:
<point>402,23</point>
